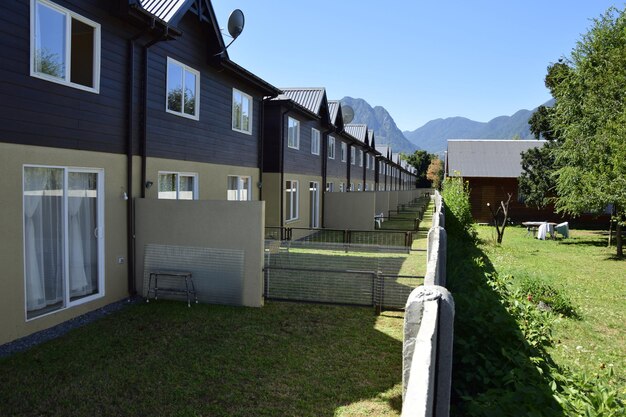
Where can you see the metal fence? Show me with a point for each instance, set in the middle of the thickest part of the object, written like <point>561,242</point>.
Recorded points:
<point>310,271</point>
<point>349,240</point>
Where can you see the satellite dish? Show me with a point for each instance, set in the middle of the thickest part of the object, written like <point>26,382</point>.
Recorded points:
<point>235,23</point>
<point>348,113</point>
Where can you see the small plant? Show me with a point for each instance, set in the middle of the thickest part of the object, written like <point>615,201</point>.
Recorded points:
<point>538,292</point>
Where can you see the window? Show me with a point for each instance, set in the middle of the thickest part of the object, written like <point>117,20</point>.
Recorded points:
<point>242,112</point>
<point>291,200</point>
<point>239,188</point>
<point>63,237</point>
<point>359,187</point>
<point>65,47</point>
<point>351,187</point>
<point>344,151</point>
<point>331,147</point>
<point>366,187</point>
<point>315,141</point>
<point>183,85</point>
<point>342,187</point>
<point>293,133</point>
<point>367,161</point>
<point>178,186</point>
<point>329,187</point>
<point>360,157</point>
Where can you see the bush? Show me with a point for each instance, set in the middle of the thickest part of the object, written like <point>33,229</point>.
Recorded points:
<point>537,291</point>
<point>455,195</point>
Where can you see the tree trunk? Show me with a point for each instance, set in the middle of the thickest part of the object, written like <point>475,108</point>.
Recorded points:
<point>618,240</point>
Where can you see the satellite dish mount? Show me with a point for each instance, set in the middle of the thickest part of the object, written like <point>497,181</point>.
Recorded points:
<point>236,22</point>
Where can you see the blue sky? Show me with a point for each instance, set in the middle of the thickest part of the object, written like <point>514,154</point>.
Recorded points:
<point>419,59</point>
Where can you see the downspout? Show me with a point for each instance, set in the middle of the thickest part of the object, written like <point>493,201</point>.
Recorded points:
<point>324,155</point>
<point>144,105</point>
<point>349,167</point>
<point>282,168</point>
<point>130,206</point>
<point>261,143</point>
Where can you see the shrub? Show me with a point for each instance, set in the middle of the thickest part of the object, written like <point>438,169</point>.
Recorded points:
<point>537,291</point>
<point>459,219</point>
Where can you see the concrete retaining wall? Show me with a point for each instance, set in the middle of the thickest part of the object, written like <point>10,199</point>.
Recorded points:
<point>353,211</point>
<point>428,333</point>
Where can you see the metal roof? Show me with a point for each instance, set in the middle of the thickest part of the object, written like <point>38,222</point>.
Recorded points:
<point>309,98</point>
<point>333,109</point>
<point>164,10</point>
<point>359,131</point>
<point>384,150</point>
<point>488,158</point>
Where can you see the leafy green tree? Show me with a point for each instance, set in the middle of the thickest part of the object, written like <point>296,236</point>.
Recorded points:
<point>420,159</point>
<point>590,120</point>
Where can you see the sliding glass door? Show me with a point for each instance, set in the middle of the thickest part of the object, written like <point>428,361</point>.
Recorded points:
<point>63,237</point>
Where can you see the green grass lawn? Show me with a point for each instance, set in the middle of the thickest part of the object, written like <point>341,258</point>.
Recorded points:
<point>513,358</point>
<point>164,359</point>
<point>585,271</point>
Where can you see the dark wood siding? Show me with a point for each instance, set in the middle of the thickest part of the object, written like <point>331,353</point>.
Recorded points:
<point>272,135</point>
<point>38,112</point>
<point>335,168</point>
<point>494,190</point>
<point>211,138</point>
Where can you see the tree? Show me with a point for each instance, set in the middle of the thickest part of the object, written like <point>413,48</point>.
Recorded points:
<point>537,182</point>
<point>434,174</point>
<point>420,159</point>
<point>590,120</point>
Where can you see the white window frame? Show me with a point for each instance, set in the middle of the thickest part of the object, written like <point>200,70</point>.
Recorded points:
<point>315,141</point>
<point>352,155</point>
<point>69,15</point>
<point>360,157</point>
<point>240,187</point>
<point>342,187</point>
<point>296,144</point>
<point>344,151</point>
<point>181,113</point>
<point>100,233</point>
<point>314,191</point>
<point>330,187</point>
<point>248,97</point>
<point>177,191</point>
<point>367,161</point>
<point>293,201</point>
<point>359,187</point>
<point>331,147</point>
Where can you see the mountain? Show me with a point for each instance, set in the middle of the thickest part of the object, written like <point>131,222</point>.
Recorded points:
<point>378,119</point>
<point>434,134</point>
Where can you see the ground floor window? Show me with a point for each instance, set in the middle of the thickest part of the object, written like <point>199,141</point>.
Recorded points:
<point>239,188</point>
<point>314,194</point>
<point>329,187</point>
<point>178,186</point>
<point>291,200</point>
<point>342,187</point>
<point>63,237</point>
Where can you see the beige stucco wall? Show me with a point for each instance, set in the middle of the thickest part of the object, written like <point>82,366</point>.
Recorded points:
<point>336,182</point>
<point>235,225</point>
<point>13,322</point>
<point>382,202</point>
<point>353,211</point>
<point>272,189</point>
<point>212,178</point>
<point>271,196</point>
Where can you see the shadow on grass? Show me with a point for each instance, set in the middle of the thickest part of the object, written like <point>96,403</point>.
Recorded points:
<point>493,373</point>
<point>164,359</point>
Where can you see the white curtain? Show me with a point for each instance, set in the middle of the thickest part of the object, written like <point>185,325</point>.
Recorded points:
<point>43,231</point>
<point>82,223</point>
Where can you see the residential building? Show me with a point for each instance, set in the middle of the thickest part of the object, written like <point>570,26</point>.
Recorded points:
<point>105,102</point>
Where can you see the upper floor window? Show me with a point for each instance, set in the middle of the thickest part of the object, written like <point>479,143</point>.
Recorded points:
<point>183,86</point>
<point>352,155</point>
<point>178,186</point>
<point>367,161</point>
<point>331,147</point>
<point>239,188</point>
<point>315,141</point>
<point>242,112</point>
<point>293,133</point>
<point>65,47</point>
<point>344,151</point>
<point>360,159</point>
